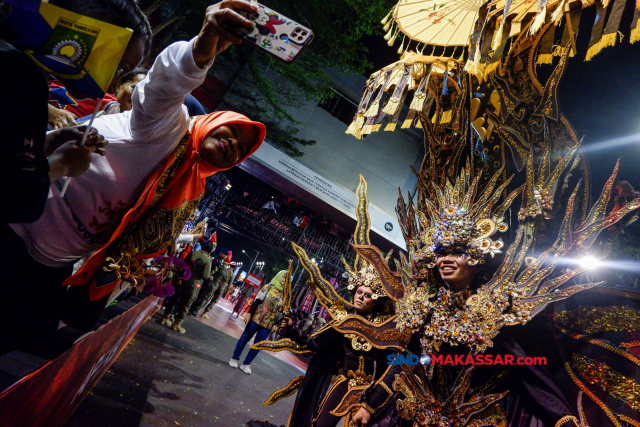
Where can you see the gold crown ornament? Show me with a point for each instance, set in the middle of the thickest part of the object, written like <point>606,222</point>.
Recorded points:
<point>457,218</point>
<point>368,277</point>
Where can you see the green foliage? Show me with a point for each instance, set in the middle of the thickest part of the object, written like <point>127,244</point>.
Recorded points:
<point>338,25</point>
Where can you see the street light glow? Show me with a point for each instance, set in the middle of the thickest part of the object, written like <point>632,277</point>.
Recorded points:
<point>589,262</point>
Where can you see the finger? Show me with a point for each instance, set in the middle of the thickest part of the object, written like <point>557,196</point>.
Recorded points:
<point>101,151</point>
<point>72,121</point>
<point>239,4</point>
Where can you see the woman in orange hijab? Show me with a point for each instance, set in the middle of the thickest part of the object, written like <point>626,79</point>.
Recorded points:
<point>134,201</point>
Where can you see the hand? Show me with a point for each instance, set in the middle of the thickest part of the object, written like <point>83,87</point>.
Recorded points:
<point>70,159</point>
<point>61,118</point>
<point>285,322</point>
<point>214,37</point>
<point>361,418</point>
<point>58,137</point>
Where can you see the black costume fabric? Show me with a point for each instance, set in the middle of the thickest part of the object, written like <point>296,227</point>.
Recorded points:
<point>334,354</point>
<point>24,169</point>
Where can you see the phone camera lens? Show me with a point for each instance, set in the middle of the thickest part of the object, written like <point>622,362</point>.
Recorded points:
<point>284,37</point>
<point>304,33</point>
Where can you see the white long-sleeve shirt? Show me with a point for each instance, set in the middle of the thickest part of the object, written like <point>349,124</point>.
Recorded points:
<point>140,140</point>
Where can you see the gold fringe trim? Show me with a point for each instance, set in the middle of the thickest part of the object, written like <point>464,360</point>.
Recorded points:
<point>406,124</point>
<point>366,130</point>
<point>559,51</point>
<point>557,14</point>
<point>386,18</point>
<point>391,126</point>
<point>359,121</point>
<point>373,109</point>
<point>473,67</point>
<point>401,48</point>
<point>419,124</point>
<point>635,33</point>
<point>606,41</point>
<point>588,3</point>
<point>351,129</point>
<point>417,103</point>
<point>387,26</point>
<point>545,58</point>
<point>392,106</point>
<point>538,21</point>
<point>593,51</point>
<point>605,3</point>
<point>393,38</point>
<point>376,128</point>
<point>387,36</point>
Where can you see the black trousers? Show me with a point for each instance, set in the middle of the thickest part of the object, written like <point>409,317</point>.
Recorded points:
<point>31,296</point>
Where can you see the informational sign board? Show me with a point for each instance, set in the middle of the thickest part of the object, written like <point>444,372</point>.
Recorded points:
<point>253,280</point>
<point>326,190</point>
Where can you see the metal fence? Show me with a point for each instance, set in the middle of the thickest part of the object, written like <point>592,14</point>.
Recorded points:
<point>274,218</point>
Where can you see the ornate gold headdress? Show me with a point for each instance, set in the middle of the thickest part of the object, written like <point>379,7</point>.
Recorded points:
<point>457,218</point>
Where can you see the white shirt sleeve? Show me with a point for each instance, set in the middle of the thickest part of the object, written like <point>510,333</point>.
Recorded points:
<point>157,111</point>
<point>184,238</point>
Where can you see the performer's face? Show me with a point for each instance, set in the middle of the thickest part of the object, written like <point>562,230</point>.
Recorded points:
<point>226,145</point>
<point>453,268</point>
<point>362,299</point>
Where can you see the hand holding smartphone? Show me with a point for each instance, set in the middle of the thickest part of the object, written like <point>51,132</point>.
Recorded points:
<point>275,33</point>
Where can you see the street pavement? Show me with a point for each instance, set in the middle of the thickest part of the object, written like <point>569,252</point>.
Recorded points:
<point>163,378</point>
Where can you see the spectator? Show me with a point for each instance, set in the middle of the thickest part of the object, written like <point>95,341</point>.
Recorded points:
<point>259,320</point>
<point>221,280</point>
<point>152,179</point>
<point>64,110</point>
<point>201,270</point>
<point>245,293</point>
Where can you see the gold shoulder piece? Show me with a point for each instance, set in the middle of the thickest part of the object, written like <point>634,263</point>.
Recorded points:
<point>285,391</point>
<point>327,295</point>
<point>281,345</point>
<point>363,225</point>
<point>286,291</point>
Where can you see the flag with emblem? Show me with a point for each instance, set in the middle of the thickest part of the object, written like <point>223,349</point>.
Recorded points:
<point>82,52</point>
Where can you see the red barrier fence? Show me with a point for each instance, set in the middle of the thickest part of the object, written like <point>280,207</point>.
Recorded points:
<point>48,396</point>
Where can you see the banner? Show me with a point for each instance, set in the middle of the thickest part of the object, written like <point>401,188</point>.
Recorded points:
<point>253,280</point>
<point>50,395</point>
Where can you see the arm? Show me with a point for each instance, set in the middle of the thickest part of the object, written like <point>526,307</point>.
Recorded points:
<point>294,334</point>
<point>184,238</point>
<point>157,100</point>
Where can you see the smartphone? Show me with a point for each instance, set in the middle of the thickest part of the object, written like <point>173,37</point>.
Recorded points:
<point>275,34</point>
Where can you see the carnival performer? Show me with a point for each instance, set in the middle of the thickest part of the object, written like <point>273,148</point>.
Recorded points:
<point>135,201</point>
<point>355,345</point>
<point>259,320</point>
<point>465,312</point>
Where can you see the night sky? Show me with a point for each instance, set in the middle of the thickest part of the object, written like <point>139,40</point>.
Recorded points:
<point>601,98</point>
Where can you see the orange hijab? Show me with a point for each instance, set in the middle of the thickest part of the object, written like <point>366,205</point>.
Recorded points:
<point>170,195</point>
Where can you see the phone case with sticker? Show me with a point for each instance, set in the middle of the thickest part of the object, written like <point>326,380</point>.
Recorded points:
<point>276,34</point>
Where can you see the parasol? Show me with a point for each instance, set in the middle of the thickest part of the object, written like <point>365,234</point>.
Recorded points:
<point>438,22</point>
